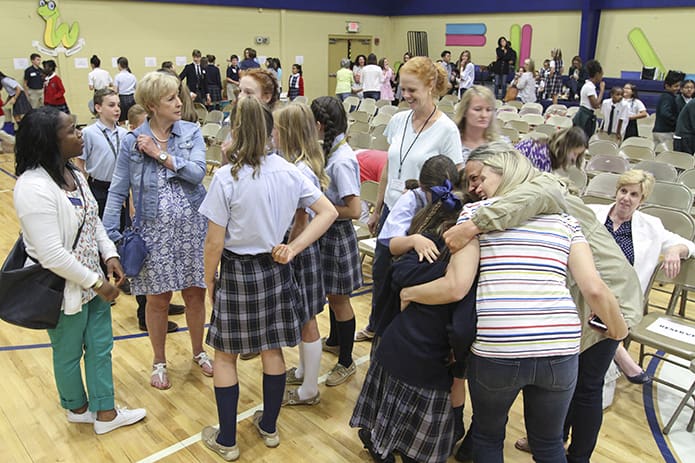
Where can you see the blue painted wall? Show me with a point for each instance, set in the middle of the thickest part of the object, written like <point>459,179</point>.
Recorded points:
<point>435,7</point>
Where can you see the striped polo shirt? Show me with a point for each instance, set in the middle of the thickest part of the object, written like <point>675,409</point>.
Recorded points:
<point>524,307</point>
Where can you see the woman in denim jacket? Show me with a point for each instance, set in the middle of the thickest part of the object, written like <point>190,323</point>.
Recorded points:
<point>163,162</point>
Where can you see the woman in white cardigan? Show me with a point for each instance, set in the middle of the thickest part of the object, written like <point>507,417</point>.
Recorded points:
<point>55,207</point>
<point>643,239</point>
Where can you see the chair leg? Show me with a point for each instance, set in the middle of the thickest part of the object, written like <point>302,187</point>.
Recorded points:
<point>684,302</point>
<point>673,299</point>
<point>679,409</point>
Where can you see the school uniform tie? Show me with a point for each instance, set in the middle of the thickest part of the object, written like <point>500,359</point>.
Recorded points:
<point>610,120</point>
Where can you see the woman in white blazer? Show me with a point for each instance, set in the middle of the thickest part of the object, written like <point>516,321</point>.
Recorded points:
<point>643,240</point>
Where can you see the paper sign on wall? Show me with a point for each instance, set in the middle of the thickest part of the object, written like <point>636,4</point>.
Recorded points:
<point>180,60</point>
<point>81,63</point>
<point>150,62</point>
<point>299,60</point>
<point>21,63</point>
<point>114,62</point>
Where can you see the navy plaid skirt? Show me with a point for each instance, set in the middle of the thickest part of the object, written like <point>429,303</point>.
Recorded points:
<point>307,273</point>
<point>413,421</point>
<point>257,306</point>
<point>340,259</point>
<point>215,93</point>
<point>127,101</point>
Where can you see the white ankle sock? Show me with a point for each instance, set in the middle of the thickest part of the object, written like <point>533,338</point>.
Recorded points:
<point>299,373</point>
<point>312,364</point>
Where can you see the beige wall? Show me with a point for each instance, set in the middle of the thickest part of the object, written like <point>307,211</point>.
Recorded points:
<point>550,30</point>
<point>165,31</point>
<point>668,31</point>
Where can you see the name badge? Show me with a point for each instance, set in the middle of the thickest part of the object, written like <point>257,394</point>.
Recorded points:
<point>76,202</point>
<point>397,185</point>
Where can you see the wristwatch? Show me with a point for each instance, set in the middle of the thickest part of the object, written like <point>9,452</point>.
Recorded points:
<point>163,156</point>
<point>98,284</point>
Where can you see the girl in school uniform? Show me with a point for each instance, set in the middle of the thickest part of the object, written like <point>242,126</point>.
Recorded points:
<point>405,403</point>
<point>634,109</point>
<point>53,88</point>
<point>340,258</point>
<point>256,304</point>
<point>296,139</point>
<point>296,83</point>
<point>124,84</point>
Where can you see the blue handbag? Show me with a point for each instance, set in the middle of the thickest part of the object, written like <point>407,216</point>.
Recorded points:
<point>132,248</point>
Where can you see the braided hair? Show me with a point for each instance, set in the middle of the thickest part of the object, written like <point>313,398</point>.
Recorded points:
<point>329,112</point>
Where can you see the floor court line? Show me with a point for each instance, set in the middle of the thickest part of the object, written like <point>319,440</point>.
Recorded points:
<point>367,289</point>
<point>181,445</point>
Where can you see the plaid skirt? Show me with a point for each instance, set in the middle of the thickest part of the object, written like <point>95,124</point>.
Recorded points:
<point>257,306</point>
<point>412,421</point>
<point>60,107</point>
<point>22,105</point>
<point>340,259</point>
<point>215,93</point>
<point>307,273</point>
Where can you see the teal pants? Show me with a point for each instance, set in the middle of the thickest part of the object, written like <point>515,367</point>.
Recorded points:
<point>87,333</point>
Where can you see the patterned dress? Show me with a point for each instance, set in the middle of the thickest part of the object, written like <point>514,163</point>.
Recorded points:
<point>175,243</point>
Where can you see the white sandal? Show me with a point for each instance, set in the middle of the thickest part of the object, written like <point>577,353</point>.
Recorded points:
<point>205,362</point>
<point>159,373</point>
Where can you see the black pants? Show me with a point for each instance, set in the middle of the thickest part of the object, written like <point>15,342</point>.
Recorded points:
<point>585,414</point>
<point>100,190</point>
<point>686,144</point>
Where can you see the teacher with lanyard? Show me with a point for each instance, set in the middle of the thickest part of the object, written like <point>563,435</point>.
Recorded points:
<point>414,136</point>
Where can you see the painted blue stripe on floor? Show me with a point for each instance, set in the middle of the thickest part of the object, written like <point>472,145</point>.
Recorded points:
<point>8,173</point>
<point>466,29</point>
<point>367,289</point>
<point>652,419</point>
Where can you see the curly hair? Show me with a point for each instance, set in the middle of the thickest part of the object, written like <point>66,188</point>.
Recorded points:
<point>329,112</point>
<point>428,72</point>
<point>268,83</point>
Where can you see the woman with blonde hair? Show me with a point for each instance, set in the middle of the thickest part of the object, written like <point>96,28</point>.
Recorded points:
<point>475,119</point>
<point>296,139</point>
<point>539,352</point>
<point>163,163</point>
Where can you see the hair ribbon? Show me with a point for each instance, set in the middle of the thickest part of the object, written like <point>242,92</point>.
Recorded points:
<point>444,194</point>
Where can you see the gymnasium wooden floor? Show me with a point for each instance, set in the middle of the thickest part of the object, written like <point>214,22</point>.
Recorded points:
<point>33,427</point>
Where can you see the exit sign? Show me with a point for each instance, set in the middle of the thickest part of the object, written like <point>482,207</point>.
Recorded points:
<point>352,26</point>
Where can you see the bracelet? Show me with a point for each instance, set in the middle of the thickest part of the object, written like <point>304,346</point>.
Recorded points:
<point>98,284</point>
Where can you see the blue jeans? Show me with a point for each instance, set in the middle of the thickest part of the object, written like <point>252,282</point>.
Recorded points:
<point>500,86</point>
<point>548,384</point>
<point>585,413</point>
<point>373,95</point>
<point>342,96</point>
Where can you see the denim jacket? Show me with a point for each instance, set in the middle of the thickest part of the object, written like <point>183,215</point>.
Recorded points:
<point>187,150</point>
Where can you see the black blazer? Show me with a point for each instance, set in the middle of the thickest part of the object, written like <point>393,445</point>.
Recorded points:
<point>199,87</point>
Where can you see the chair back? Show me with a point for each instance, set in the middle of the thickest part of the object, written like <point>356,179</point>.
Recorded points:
<point>604,184</point>
<point>677,159</point>
<point>578,177</point>
<point>382,103</point>
<point>507,116</point>
<point>359,116</point>
<point>562,122</point>
<point>687,178</point>
<point>604,163</point>
<point>556,109</point>
<point>201,111</point>
<point>368,191</point>
<point>359,140</point>
<point>507,108</point>
<point>300,99</point>
<point>379,142</point>
<point>571,111</point>
<point>661,171</point>
<point>546,129</point>
<point>391,110</point>
<point>670,194</point>
<point>675,221</point>
<point>358,126</point>
<point>638,141</point>
<point>379,119</point>
<point>351,103</point>
<point>533,119</point>
<point>603,147</point>
<point>637,153</point>
<point>516,103</point>
<point>519,125</point>
<point>510,133</point>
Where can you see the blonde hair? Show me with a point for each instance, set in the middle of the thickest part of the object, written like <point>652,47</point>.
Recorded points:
<point>513,166</point>
<point>465,104</point>
<point>428,72</point>
<point>298,138</point>
<point>531,67</point>
<point>637,177</point>
<point>251,131</point>
<point>153,87</point>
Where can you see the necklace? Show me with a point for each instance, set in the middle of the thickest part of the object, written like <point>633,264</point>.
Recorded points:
<point>166,140</point>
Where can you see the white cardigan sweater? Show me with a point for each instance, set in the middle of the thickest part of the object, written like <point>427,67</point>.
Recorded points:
<point>649,239</point>
<point>49,225</point>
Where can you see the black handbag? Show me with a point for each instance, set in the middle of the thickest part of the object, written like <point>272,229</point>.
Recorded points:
<point>132,248</point>
<point>31,296</point>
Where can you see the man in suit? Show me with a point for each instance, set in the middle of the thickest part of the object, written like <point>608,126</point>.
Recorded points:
<point>194,74</point>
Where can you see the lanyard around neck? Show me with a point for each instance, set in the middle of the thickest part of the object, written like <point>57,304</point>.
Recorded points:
<point>337,145</point>
<point>114,149</point>
<point>401,157</point>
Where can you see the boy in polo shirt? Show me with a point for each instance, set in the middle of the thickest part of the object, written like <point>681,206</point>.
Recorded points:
<point>33,81</point>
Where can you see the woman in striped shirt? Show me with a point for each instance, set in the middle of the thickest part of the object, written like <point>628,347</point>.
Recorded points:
<point>528,329</point>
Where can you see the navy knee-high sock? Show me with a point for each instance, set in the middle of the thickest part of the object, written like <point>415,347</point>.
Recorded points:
<point>459,429</point>
<point>346,340</point>
<point>273,390</point>
<point>227,400</point>
<point>332,339</point>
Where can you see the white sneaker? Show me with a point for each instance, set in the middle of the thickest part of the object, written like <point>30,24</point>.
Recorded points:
<point>124,417</point>
<point>85,417</point>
